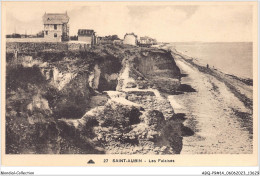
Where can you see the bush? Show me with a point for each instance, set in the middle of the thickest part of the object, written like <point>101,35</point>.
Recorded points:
<point>21,77</point>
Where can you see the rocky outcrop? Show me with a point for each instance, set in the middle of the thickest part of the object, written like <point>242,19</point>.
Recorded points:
<point>127,129</point>
<point>150,101</point>
<point>94,77</point>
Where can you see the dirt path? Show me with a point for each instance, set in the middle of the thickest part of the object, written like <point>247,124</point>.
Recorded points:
<point>218,118</point>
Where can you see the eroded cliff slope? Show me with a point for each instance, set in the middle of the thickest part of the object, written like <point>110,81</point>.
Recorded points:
<point>106,99</point>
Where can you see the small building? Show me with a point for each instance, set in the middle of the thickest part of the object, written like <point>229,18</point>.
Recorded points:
<point>87,35</point>
<point>130,39</point>
<point>56,28</point>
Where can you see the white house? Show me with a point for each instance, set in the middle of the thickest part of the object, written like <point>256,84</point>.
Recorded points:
<point>56,27</point>
<point>87,35</point>
<point>130,39</point>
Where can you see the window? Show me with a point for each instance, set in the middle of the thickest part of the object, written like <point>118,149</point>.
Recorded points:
<point>55,35</point>
<point>55,26</point>
<point>46,32</point>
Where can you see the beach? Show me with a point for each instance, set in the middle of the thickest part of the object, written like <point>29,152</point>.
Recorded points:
<point>217,107</point>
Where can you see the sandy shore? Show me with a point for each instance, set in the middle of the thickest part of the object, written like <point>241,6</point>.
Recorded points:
<point>218,108</point>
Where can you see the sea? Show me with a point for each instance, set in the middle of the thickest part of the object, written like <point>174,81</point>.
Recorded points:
<point>234,58</point>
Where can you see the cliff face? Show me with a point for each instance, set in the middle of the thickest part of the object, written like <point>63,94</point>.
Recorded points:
<point>157,63</point>
<point>103,100</point>
<point>159,68</point>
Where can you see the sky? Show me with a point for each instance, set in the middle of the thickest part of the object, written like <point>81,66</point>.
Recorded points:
<point>166,23</point>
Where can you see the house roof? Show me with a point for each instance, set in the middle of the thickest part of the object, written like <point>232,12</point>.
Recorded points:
<point>55,18</point>
<point>130,34</point>
<point>86,32</point>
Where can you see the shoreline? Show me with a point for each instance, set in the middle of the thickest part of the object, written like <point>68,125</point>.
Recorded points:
<point>246,80</point>
<point>242,88</point>
<point>225,78</point>
<point>217,107</point>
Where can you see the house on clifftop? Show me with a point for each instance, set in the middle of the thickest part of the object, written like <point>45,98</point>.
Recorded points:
<point>87,35</point>
<point>56,28</point>
<point>130,39</point>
